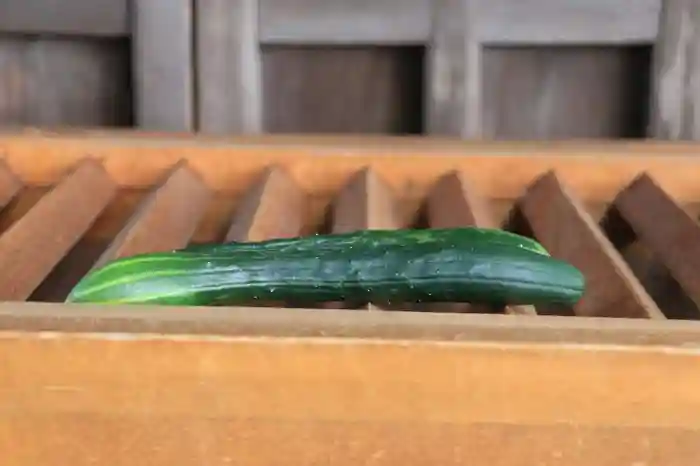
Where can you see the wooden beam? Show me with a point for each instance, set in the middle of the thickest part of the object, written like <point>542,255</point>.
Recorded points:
<point>663,226</point>
<point>161,400</point>
<point>105,18</point>
<point>573,22</point>
<point>327,22</point>
<point>559,221</point>
<point>454,72</point>
<point>229,76</point>
<point>163,63</point>
<point>36,243</point>
<point>595,170</point>
<point>675,97</point>
<point>502,22</point>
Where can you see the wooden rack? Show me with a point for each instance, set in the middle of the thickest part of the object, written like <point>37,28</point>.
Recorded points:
<point>611,381</point>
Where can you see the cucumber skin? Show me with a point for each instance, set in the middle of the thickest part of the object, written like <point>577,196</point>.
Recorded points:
<point>455,265</point>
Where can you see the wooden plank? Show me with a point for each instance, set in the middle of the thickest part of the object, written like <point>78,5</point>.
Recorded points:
<point>315,323</point>
<point>70,82</point>
<point>30,250</point>
<point>106,18</point>
<point>365,203</point>
<point>341,90</point>
<point>163,57</point>
<point>453,203</point>
<point>165,220</point>
<point>608,87</point>
<point>157,400</point>
<point>675,109</point>
<point>559,221</point>
<point>663,226</point>
<point>326,22</point>
<point>10,185</point>
<point>272,208</point>
<point>229,77</point>
<point>454,72</point>
<point>573,22</point>
<point>595,170</point>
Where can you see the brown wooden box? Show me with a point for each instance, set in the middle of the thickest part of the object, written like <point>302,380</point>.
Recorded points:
<point>616,384</point>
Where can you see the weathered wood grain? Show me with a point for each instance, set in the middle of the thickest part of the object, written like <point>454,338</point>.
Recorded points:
<point>53,82</point>
<point>454,72</point>
<point>163,59</point>
<point>375,22</point>
<point>675,105</point>
<point>229,76</point>
<point>67,17</point>
<point>553,22</point>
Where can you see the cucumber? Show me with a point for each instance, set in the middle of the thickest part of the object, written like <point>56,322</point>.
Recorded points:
<point>386,266</point>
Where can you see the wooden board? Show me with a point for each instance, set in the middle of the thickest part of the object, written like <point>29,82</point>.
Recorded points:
<point>574,395</point>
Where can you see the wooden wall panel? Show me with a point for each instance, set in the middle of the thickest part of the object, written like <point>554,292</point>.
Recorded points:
<point>557,92</point>
<point>348,89</point>
<point>64,82</point>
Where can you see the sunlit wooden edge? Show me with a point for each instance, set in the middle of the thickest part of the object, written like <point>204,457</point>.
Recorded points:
<point>333,324</point>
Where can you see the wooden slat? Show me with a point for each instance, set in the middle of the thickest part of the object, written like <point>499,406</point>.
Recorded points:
<point>454,72</point>
<point>9,185</point>
<point>70,17</point>
<point>560,222</point>
<point>34,244</point>
<point>272,208</point>
<point>553,22</point>
<point>454,203</point>
<point>341,22</point>
<point>675,109</point>
<point>165,220</point>
<point>366,203</point>
<point>663,226</point>
<point>596,170</point>
<point>314,323</point>
<point>163,57</point>
<point>157,400</point>
<point>229,77</point>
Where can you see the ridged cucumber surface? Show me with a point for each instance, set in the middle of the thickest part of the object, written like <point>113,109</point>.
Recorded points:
<point>431,265</point>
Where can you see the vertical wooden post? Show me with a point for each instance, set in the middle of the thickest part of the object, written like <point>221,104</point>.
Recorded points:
<point>163,59</point>
<point>675,98</point>
<point>454,91</point>
<point>229,78</point>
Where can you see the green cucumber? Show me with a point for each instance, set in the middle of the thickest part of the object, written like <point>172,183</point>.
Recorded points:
<point>440,265</point>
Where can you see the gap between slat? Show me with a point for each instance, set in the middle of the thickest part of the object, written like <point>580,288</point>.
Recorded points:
<point>10,185</point>
<point>662,225</point>
<point>366,203</point>
<point>165,220</point>
<point>453,203</point>
<point>33,245</point>
<point>559,221</point>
